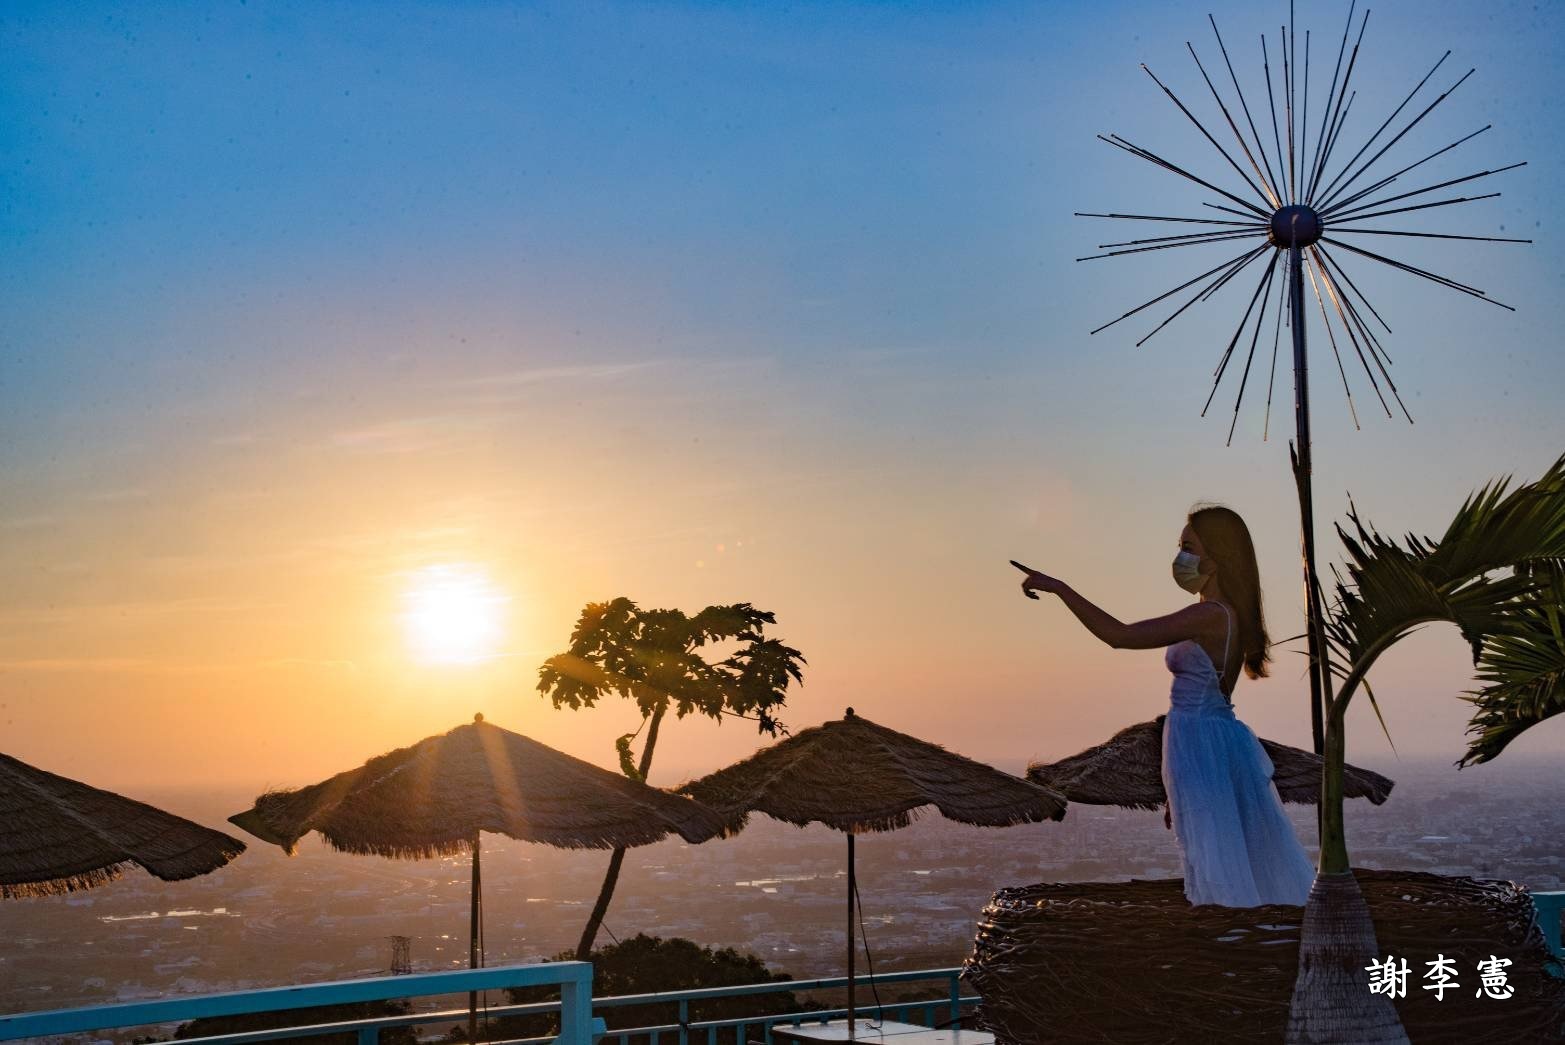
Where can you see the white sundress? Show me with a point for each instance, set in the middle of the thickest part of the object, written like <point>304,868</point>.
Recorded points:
<point>1238,846</point>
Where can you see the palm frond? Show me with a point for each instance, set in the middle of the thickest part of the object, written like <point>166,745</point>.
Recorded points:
<point>1390,588</point>
<point>1492,532</point>
<point>1370,693</point>
<point>1523,671</point>
<point>1496,573</point>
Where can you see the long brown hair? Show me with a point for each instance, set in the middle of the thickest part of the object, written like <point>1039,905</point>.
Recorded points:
<point>1226,540</point>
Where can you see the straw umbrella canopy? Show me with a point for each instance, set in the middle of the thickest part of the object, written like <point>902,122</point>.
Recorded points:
<point>854,775</point>
<point>436,796</point>
<point>59,835</point>
<point>1127,770</point>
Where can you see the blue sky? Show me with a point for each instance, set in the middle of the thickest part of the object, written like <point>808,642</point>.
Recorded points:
<point>587,291</point>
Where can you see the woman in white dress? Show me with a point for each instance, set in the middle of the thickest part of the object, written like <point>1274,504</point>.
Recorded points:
<point>1238,846</point>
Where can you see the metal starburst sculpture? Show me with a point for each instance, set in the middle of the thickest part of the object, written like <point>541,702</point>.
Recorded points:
<point>1301,219</point>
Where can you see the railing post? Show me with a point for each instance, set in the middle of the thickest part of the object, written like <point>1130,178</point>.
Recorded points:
<point>956,997</point>
<point>1549,906</point>
<point>369,1035</point>
<point>684,1022</point>
<point>576,1010</point>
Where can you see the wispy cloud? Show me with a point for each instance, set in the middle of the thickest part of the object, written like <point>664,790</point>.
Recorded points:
<point>507,387</point>
<point>539,375</point>
<point>28,522</point>
<point>163,666</point>
<point>407,435</point>
<point>129,610</point>
<point>236,439</point>
<point>466,396</point>
<point>133,493</point>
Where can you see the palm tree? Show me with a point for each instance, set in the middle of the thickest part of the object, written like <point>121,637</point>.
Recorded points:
<point>1498,574</point>
<point>654,658</point>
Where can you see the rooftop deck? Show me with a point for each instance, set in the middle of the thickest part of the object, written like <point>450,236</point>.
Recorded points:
<point>582,1019</point>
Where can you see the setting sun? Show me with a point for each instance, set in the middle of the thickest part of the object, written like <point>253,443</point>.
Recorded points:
<point>453,614</point>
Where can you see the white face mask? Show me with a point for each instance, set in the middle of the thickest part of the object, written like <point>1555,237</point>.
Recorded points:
<point>1187,573</point>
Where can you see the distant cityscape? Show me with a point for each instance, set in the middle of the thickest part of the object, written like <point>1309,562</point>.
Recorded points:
<point>774,890</point>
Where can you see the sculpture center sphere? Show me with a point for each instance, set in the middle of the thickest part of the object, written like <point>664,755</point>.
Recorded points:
<point>1294,226</point>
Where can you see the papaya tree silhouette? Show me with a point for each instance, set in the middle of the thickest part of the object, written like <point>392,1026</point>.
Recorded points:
<point>654,657</point>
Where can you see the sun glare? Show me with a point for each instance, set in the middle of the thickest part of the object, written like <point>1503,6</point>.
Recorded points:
<point>453,615</point>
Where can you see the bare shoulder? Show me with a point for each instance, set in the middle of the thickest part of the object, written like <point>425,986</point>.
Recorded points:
<point>1216,615</point>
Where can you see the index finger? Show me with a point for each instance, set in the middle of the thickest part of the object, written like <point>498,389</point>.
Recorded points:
<point>1019,566</point>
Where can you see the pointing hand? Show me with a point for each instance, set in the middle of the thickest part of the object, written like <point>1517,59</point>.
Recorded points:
<point>1037,582</point>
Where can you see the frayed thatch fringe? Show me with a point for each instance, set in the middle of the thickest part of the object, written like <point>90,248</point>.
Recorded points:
<point>434,797</point>
<point>59,835</point>
<point>854,775</point>
<point>1127,770</point>
<point>61,886</point>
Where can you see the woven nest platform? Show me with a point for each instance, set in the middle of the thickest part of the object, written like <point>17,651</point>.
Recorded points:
<point>1134,962</point>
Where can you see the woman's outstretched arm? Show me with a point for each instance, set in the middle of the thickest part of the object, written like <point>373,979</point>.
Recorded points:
<point>1190,622</point>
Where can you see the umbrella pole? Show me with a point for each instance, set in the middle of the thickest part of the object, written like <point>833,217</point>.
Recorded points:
<point>851,884</point>
<point>473,957</point>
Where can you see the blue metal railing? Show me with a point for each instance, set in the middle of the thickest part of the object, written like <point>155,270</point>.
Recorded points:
<point>944,1010</point>
<point>575,1008</point>
<point>574,980</point>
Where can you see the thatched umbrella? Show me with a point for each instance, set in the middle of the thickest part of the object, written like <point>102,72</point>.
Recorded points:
<point>435,797</point>
<point>854,775</point>
<point>1127,770</point>
<point>59,835</point>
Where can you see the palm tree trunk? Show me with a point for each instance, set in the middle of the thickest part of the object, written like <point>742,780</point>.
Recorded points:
<point>589,933</point>
<point>1331,997</point>
<point>1333,836</point>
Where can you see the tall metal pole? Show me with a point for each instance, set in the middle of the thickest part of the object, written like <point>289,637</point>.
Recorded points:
<point>475,930</point>
<point>852,885</point>
<point>1319,674</point>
